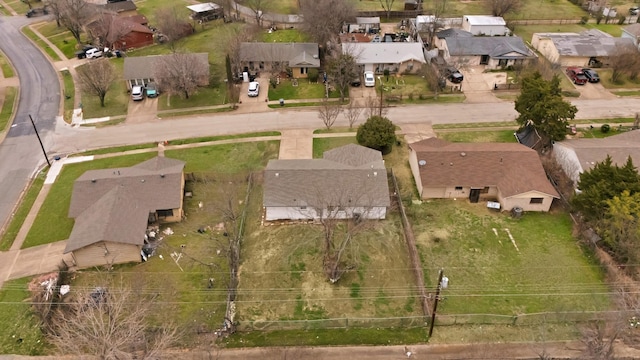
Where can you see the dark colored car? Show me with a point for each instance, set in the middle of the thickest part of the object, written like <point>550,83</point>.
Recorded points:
<point>592,75</point>
<point>577,76</point>
<point>453,75</point>
<point>356,82</point>
<point>37,12</point>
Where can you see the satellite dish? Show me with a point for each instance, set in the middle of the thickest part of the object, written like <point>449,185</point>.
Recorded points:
<point>422,162</point>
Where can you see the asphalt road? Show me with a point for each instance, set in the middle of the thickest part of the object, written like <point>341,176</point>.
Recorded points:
<point>20,153</point>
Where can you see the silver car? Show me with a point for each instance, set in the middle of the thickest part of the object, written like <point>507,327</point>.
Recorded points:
<point>137,93</point>
<point>254,89</point>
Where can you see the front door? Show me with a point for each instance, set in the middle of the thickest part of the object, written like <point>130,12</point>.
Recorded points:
<point>484,59</point>
<point>474,195</point>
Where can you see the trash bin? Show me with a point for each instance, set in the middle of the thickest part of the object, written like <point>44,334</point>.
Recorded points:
<point>281,102</point>
<point>516,212</point>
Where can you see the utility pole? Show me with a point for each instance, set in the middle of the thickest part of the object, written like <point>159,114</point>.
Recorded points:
<point>39,140</point>
<point>435,303</point>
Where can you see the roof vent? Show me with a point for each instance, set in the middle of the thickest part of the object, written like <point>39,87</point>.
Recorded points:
<point>463,154</point>
<point>375,173</point>
<point>422,162</point>
<point>162,175</point>
<point>141,180</point>
<point>277,174</point>
<point>93,180</point>
<point>450,164</point>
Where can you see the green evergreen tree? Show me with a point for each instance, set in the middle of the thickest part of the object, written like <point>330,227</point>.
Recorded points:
<point>377,133</point>
<point>540,104</point>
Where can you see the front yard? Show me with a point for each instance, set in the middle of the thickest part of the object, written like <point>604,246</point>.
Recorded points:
<point>289,89</point>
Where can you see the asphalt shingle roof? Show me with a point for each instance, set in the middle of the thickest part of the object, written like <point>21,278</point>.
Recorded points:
<point>591,43</point>
<point>296,54</point>
<point>498,47</point>
<point>512,167</point>
<point>143,67</point>
<point>619,147</point>
<point>385,52</point>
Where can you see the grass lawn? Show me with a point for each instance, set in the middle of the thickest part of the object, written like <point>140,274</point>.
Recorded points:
<point>374,5</point>
<point>60,37</point>
<point>40,43</point>
<point>405,88</point>
<point>118,149</point>
<point>627,93</point>
<point>149,8</point>
<point>624,83</point>
<point>18,6</point>
<point>4,11</point>
<point>55,208</point>
<point>285,36</point>
<point>304,90</point>
<point>69,94</point>
<point>7,70</point>
<point>116,101</point>
<point>236,158</point>
<point>206,96</point>
<point>222,137</point>
<point>21,213</point>
<point>6,111</point>
<point>281,6</point>
<point>549,273</point>
<point>474,125</point>
<point>320,145</point>
<point>614,30</point>
<point>20,331</point>
<point>597,133</point>
<point>479,136</point>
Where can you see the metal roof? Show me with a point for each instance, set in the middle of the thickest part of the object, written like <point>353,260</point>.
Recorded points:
<point>203,7</point>
<point>485,20</point>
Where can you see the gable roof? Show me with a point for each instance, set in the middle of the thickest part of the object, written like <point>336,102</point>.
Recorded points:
<point>121,6</point>
<point>633,29</point>
<point>590,43</point>
<point>486,20</point>
<point>351,175</point>
<point>296,54</point>
<point>114,204</point>
<point>497,47</point>
<point>143,67</point>
<point>619,147</point>
<point>453,32</point>
<point>512,167</point>
<point>385,52</point>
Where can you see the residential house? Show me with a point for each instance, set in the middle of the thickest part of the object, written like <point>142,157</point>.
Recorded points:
<point>121,8</point>
<point>494,52</point>
<point>579,155</point>
<point>349,181</point>
<point>113,207</point>
<point>632,32</point>
<point>587,48</point>
<point>299,57</point>
<point>397,57</point>
<point>485,25</point>
<point>508,173</point>
<point>206,12</point>
<point>120,33</point>
<point>140,70</point>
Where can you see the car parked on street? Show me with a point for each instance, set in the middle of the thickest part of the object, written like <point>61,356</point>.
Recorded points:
<point>576,75</point>
<point>454,75</point>
<point>634,10</point>
<point>137,93</point>
<point>37,12</point>
<point>369,79</point>
<point>254,89</point>
<point>592,75</point>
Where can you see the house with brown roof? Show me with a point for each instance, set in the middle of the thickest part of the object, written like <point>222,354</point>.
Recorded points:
<point>579,155</point>
<point>113,207</point>
<point>508,173</point>
<point>349,181</point>
<point>122,8</point>
<point>119,33</point>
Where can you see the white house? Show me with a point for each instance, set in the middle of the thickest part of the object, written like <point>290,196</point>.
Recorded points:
<point>398,57</point>
<point>348,181</point>
<point>485,25</point>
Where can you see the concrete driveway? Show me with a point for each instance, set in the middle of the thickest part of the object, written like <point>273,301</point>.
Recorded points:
<point>35,260</point>
<point>361,93</point>
<point>478,85</point>
<point>142,111</point>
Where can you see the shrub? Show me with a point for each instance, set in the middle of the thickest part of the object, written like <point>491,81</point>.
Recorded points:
<point>313,75</point>
<point>273,81</point>
<point>377,133</point>
<point>584,20</point>
<point>605,128</point>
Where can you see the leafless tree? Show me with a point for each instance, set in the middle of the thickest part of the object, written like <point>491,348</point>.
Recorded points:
<point>432,76</point>
<point>258,7</point>
<point>105,29</point>
<point>342,70</point>
<point>172,26</point>
<point>440,8</point>
<point>181,73</point>
<point>328,112</point>
<point>387,5</point>
<point>74,14</point>
<point>623,61</point>
<point>236,38</point>
<point>352,112</point>
<point>110,323</point>
<point>503,7</point>
<point>96,77</point>
<point>375,106</point>
<point>53,6</point>
<point>323,20</point>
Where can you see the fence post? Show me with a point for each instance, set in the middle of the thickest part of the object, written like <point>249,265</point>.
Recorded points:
<point>515,319</point>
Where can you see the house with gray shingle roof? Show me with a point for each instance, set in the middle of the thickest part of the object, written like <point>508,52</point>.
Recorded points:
<point>299,57</point>
<point>348,181</point>
<point>579,155</point>
<point>459,46</point>
<point>140,70</point>
<point>112,208</point>
<point>632,32</point>
<point>400,57</point>
<point>578,49</point>
<point>508,173</point>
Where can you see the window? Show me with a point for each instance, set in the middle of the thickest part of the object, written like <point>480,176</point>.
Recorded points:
<point>458,188</point>
<point>485,190</point>
<point>165,213</point>
<point>536,200</point>
<point>303,70</point>
<point>303,208</point>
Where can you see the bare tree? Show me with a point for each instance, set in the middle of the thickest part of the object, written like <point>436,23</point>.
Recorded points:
<point>258,7</point>
<point>387,5</point>
<point>323,20</point>
<point>440,7</point>
<point>106,29</point>
<point>54,8</point>
<point>503,7</point>
<point>74,14</point>
<point>433,78</point>
<point>96,77</point>
<point>181,73</point>
<point>375,106</point>
<point>352,112</point>
<point>172,26</point>
<point>623,61</point>
<point>328,112</point>
<point>236,38</point>
<point>342,70</point>
<point>110,323</point>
